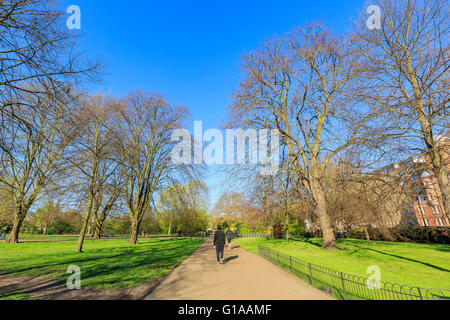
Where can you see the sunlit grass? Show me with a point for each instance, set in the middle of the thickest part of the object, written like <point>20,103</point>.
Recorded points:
<point>413,264</point>
<point>104,264</point>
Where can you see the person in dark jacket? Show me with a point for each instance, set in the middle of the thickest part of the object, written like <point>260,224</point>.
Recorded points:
<point>219,244</point>
<point>228,235</point>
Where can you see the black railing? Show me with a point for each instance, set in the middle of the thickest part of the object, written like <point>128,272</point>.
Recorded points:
<point>254,235</point>
<point>346,286</point>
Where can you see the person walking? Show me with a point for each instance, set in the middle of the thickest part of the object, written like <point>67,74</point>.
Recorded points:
<point>229,235</point>
<point>219,244</point>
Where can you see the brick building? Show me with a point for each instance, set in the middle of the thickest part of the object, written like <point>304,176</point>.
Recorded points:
<point>416,198</point>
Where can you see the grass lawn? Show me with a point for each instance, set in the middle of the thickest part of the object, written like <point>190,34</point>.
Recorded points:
<point>104,264</point>
<point>413,264</point>
<point>16,296</point>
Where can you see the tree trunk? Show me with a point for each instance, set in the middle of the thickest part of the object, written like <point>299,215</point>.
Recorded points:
<point>445,191</point>
<point>89,228</point>
<point>97,231</point>
<point>85,225</point>
<point>366,234</point>
<point>329,240</point>
<point>442,178</point>
<point>14,236</point>
<point>99,224</point>
<point>436,153</point>
<point>287,235</point>
<point>170,228</point>
<point>135,224</point>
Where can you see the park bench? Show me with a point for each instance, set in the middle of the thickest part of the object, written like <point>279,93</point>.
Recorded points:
<point>107,235</point>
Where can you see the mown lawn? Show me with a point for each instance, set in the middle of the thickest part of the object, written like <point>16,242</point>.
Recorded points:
<point>104,264</point>
<point>16,296</point>
<point>413,264</point>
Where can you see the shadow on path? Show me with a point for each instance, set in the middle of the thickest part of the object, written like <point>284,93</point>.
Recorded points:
<point>230,259</point>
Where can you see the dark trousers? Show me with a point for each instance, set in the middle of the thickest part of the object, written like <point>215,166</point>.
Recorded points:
<point>219,253</point>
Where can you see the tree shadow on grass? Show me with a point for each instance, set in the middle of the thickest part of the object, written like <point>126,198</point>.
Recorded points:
<point>129,266</point>
<point>409,259</point>
<point>445,249</point>
<point>46,265</point>
<point>308,241</point>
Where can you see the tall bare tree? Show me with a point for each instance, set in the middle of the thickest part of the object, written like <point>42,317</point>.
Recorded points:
<point>109,191</point>
<point>408,60</point>
<point>304,85</point>
<point>35,151</point>
<point>144,129</point>
<point>95,159</point>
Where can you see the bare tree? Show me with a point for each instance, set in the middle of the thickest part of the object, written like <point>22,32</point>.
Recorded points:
<point>408,60</point>
<point>304,85</point>
<point>109,190</point>
<point>95,160</point>
<point>169,206</point>
<point>34,151</point>
<point>36,47</point>
<point>144,130</point>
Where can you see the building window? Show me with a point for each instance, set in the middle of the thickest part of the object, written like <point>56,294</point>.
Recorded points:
<point>421,198</point>
<point>430,197</point>
<point>436,209</point>
<point>422,211</point>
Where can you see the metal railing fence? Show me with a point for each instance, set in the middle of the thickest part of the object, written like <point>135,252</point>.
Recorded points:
<point>346,286</point>
<point>254,235</point>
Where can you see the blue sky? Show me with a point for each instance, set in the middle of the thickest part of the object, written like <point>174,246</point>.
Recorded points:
<point>190,50</point>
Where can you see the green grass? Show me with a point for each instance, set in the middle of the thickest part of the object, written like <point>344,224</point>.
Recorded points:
<point>16,296</point>
<point>413,264</point>
<point>104,264</point>
<point>55,236</point>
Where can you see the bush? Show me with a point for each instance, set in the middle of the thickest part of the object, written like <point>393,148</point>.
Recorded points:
<point>61,227</point>
<point>278,232</point>
<point>406,234</point>
<point>355,234</point>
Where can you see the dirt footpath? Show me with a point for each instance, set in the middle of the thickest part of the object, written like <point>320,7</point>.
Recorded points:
<point>244,276</point>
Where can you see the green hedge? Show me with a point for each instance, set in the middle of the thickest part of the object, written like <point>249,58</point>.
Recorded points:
<point>403,233</point>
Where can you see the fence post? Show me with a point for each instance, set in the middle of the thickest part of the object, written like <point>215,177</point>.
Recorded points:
<point>310,273</point>
<point>290,262</point>
<point>420,293</point>
<point>343,287</point>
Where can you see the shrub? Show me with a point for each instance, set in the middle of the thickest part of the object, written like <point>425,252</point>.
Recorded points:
<point>61,227</point>
<point>406,234</point>
<point>278,232</point>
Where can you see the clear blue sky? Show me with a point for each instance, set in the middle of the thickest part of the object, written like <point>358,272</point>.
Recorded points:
<point>190,50</point>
